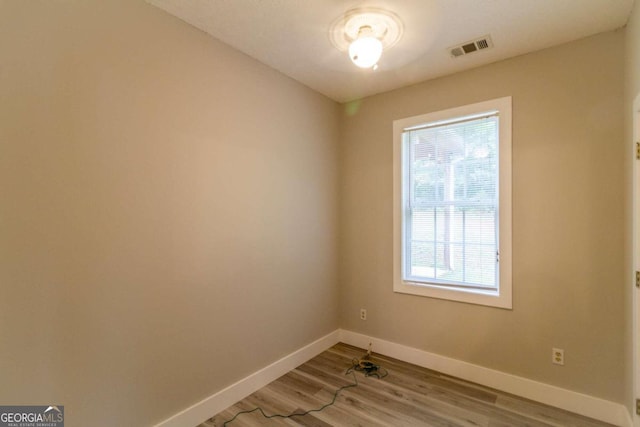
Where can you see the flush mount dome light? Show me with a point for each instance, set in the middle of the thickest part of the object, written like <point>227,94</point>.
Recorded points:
<point>365,51</point>
<point>365,33</point>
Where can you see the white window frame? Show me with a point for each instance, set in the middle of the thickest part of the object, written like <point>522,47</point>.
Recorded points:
<point>502,296</point>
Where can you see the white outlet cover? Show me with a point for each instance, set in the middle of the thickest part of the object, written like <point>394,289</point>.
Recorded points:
<point>557,356</point>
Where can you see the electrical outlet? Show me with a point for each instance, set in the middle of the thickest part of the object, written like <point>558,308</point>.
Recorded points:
<point>557,356</point>
<point>363,314</point>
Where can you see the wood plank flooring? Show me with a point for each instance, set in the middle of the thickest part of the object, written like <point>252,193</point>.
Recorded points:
<point>408,396</point>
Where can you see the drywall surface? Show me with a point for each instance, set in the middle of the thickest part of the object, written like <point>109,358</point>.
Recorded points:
<point>168,212</point>
<point>568,246</point>
<point>632,92</point>
<point>632,53</point>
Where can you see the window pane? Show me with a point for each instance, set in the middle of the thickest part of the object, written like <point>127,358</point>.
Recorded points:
<point>422,225</point>
<point>452,203</point>
<point>481,225</point>
<point>422,256</point>
<point>480,264</point>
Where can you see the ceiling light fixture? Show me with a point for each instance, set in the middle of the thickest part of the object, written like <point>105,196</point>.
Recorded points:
<point>365,51</point>
<point>365,33</point>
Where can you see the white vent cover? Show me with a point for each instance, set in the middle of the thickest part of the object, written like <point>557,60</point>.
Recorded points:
<point>466,48</point>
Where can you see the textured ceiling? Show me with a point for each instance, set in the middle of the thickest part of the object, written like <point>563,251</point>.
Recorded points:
<point>292,36</point>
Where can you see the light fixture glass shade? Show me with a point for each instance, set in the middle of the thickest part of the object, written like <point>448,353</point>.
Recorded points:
<point>365,32</point>
<point>365,51</point>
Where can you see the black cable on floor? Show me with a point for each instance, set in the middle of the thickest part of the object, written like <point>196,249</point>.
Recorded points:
<point>335,396</point>
<point>367,367</point>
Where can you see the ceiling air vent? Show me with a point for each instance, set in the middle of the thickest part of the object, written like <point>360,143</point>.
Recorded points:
<point>471,46</point>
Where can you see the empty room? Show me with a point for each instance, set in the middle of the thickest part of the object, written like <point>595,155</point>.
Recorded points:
<point>319,213</point>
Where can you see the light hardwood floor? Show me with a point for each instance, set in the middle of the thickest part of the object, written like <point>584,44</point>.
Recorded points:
<point>408,396</point>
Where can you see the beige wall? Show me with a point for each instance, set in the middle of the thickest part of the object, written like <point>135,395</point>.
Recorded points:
<point>632,90</point>
<point>632,54</point>
<point>567,219</point>
<point>168,212</point>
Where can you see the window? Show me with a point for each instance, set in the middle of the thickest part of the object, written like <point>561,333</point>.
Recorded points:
<point>452,195</point>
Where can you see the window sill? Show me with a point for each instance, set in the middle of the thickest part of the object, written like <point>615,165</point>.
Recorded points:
<point>489,298</point>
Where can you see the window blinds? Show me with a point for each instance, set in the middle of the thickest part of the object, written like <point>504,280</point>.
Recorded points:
<point>451,202</point>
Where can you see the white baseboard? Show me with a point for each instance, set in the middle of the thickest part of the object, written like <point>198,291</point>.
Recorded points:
<point>593,407</point>
<point>600,409</point>
<point>208,407</point>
